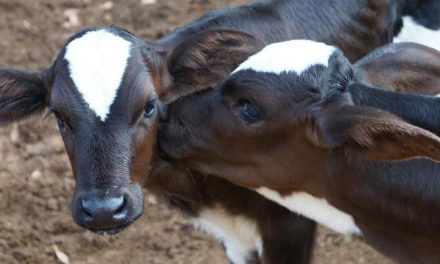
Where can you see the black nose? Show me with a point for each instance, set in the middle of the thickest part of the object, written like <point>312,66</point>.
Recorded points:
<point>103,211</point>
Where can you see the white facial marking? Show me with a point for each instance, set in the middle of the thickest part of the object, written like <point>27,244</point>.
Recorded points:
<point>97,62</point>
<point>413,32</point>
<point>314,208</point>
<point>292,55</point>
<point>239,234</point>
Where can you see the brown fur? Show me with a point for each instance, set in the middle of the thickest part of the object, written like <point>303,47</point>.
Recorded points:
<point>406,67</point>
<point>312,138</point>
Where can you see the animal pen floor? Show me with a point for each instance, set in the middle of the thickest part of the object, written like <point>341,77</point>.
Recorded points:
<point>36,181</point>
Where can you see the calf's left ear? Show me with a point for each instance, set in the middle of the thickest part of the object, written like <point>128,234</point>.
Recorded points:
<point>376,134</point>
<point>21,94</point>
<point>338,76</point>
<point>206,59</point>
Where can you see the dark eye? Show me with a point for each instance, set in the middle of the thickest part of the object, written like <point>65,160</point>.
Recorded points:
<point>150,109</point>
<point>248,112</point>
<point>60,121</point>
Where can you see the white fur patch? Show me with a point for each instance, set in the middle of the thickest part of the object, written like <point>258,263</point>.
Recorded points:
<point>292,55</point>
<point>239,234</point>
<point>413,32</point>
<point>314,208</point>
<point>97,62</point>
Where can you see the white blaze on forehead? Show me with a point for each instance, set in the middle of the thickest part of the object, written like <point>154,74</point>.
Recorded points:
<point>316,209</point>
<point>292,55</point>
<point>413,32</point>
<point>97,62</point>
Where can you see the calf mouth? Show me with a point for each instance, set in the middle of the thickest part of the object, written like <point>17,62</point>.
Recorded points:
<point>115,230</point>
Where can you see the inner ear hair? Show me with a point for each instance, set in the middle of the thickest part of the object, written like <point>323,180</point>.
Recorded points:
<point>376,134</point>
<point>157,66</point>
<point>338,76</point>
<point>23,93</point>
<point>208,58</point>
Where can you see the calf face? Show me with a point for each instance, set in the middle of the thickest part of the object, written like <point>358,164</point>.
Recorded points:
<point>104,100</point>
<point>104,90</point>
<point>277,119</point>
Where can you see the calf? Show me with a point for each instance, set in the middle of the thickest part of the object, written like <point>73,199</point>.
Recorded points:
<point>104,87</point>
<point>301,131</point>
<point>277,235</point>
<point>218,204</point>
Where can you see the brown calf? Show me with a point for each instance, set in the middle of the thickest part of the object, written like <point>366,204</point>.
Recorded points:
<point>298,130</point>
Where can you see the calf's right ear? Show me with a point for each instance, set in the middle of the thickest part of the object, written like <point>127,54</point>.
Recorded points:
<point>21,94</point>
<point>206,59</point>
<point>375,134</point>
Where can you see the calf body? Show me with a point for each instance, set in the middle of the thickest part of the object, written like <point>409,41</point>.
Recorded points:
<point>308,138</point>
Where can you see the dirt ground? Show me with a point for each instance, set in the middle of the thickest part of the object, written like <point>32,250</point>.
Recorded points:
<point>36,182</point>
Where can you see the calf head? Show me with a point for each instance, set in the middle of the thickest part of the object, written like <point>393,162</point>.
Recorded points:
<point>104,89</point>
<point>284,112</point>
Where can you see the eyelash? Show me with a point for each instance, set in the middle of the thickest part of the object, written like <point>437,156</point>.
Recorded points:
<point>60,121</point>
<point>248,112</point>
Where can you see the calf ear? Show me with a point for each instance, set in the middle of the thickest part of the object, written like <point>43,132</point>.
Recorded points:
<point>208,58</point>
<point>21,94</point>
<point>376,134</point>
<point>338,75</point>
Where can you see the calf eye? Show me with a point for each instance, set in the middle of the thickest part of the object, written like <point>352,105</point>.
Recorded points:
<point>61,124</point>
<point>60,121</point>
<point>248,112</point>
<point>150,109</point>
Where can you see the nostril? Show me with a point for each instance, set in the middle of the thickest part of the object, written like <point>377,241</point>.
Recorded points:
<point>121,207</point>
<point>86,211</point>
<point>122,211</point>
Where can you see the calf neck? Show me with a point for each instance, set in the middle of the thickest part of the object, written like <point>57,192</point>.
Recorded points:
<point>252,228</point>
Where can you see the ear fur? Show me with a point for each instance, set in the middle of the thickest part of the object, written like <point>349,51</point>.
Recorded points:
<point>21,94</point>
<point>338,76</point>
<point>208,58</point>
<point>376,134</point>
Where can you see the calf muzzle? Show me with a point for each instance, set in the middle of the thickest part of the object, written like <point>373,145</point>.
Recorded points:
<point>107,211</point>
